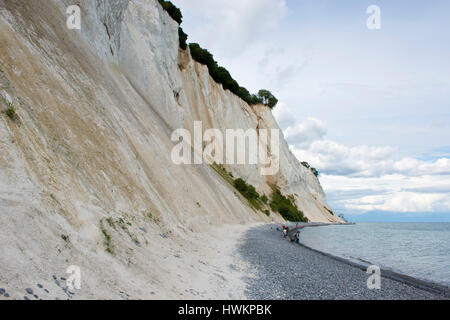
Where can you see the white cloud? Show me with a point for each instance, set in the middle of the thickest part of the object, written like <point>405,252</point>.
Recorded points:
<point>413,166</point>
<point>370,178</point>
<point>393,183</point>
<point>392,193</point>
<point>306,132</point>
<point>239,22</point>
<point>283,115</point>
<point>308,143</point>
<point>369,161</point>
<point>335,158</point>
<point>401,202</point>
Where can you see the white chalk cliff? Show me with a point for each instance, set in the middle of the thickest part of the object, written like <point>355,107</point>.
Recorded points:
<point>86,176</point>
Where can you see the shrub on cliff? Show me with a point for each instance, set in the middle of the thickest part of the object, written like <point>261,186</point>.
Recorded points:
<point>306,164</point>
<point>11,113</point>
<point>202,56</point>
<point>251,192</point>
<point>267,98</point>
<point>221,75</point>
<point>183,38</point>
<point>286,207</point>
<point>254,99</point>
<point>172,10</point>
<point>314,170</point>
<point>247,190</point>
<point>264,199</point>
<point>240,185</point>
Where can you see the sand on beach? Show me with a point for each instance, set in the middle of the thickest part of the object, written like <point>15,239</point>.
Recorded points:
<point>182,265</point>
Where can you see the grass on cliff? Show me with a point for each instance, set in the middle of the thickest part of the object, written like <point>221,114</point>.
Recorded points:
<point>108,244</point>
<point>11,111</point>
<point>246,190</point>
<point>223,173</point>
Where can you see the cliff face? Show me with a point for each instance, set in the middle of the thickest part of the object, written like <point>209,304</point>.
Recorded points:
<point>183,92</point>
<point>87,164</point>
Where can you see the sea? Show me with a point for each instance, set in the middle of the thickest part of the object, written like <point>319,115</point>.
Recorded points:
<point>419,250</point>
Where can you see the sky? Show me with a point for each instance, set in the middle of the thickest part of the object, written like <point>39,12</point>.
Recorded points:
<point>369,108</point>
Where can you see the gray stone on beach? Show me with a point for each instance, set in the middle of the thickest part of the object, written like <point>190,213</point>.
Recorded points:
<point>29,290</point>
<point>2,291</point>
<point>284,270</point>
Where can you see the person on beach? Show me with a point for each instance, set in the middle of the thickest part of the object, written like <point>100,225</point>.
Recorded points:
<point>297,237</point>
<point>285,231</point>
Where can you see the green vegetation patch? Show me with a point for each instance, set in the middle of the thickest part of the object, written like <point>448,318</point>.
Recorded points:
<point>154,219</point>
<point>286,207</point>
<point>173,11</point>
<point>223,173</point>
<point>108,244</point>
<point>182,38</point>
<point>247,190</point>
<point>11,113</point>
<point>124,226</point>
<point>264,199</point>
<point>314,170</point>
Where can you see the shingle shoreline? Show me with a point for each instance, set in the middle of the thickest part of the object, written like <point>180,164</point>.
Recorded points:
<point>283,270</point>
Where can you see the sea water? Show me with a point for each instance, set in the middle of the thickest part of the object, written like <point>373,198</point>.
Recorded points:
<point>420,250</point>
